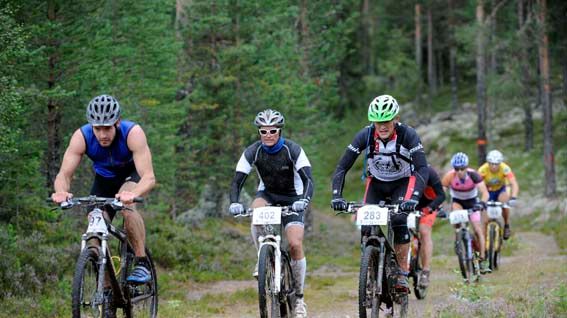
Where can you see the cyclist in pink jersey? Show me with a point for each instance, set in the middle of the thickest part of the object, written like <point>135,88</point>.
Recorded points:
<point>464,185</point>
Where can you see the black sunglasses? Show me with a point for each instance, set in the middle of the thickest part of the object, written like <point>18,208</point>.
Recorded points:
<point>270,131</point>
<point>461,169</point>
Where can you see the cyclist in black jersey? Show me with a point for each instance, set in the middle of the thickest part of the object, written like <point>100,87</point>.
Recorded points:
<point>285,179</point>
<point>398,171</point>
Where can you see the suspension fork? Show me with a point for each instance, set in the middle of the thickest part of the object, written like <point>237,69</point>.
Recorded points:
<point>269,240</point>
<point>101,267</point>
<point>381,257</point>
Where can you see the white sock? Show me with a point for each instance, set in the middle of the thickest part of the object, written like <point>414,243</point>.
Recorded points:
<point>299,267</point>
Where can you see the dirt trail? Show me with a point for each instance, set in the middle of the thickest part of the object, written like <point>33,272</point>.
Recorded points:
<point>535,264</point>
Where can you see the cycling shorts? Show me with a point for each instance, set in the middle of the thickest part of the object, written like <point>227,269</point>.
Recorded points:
<point>109,187</point>
<point>284,200</point>
<point>493,195</point>
<point>428,219</point>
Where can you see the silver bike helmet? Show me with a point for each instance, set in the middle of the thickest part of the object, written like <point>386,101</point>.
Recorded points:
<point>269,117</point>
<point>103,110</point>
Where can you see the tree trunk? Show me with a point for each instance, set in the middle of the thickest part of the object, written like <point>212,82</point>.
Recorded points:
<point>480,83</point>
<point>525,79</point>
<point>304,41</point>
<point>439,68</point>
<point>366,40</point>
<point>430,57</point>
<point>493,40</point>
<point>453,59</point>
<point>53,109</point>
<point>549,164</point>
<point>564,58</point>
<point>418,53</point>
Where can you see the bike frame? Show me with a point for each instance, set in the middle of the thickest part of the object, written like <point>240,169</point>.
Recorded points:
<point>102,235</point>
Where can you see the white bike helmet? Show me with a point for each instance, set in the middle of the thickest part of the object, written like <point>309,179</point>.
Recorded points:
<point>495,157</point>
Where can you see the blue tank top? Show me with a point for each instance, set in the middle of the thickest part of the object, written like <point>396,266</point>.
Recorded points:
<point>115,159</point>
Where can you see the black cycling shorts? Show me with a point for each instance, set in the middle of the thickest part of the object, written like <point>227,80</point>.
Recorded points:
<point>283,200</point>
<point>466,204</point>
<point>109,187</point>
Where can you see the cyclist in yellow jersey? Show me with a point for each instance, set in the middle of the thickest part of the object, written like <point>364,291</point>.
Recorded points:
<point>496,174</point>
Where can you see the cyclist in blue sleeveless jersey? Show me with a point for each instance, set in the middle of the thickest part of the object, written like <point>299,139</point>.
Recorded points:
<point>122,163</point>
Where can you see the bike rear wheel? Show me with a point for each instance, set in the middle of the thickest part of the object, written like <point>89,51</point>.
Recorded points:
<point>368,298</point>
<point>84,289</point>
<point>267,298</point>
<point>287,299</point>
<point>142,299</point>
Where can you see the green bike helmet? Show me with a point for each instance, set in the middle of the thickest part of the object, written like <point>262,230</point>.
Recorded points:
<point>383,108</point>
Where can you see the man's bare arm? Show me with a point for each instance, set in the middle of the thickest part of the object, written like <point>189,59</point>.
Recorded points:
<point>138,144</point>
<point>71,160</point>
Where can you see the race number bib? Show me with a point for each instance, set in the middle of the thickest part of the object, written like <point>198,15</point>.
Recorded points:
<point>96,222</point>
<point>494,212</point>
<point>459,216</point>
<point>412,220</point>
<point>372,215</point>
<point>267,215</point>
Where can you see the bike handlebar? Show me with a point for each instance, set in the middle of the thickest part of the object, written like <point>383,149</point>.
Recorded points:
<point>98,201</point>
<point>286,211</point>
<point>353,206</point>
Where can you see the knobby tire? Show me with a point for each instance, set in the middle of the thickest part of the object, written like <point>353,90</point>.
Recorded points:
<point>142,298</point>
<point>416,269</point>
<point>367,283</point>
<point>287,304</point>
<point>269,303</point>
<point>84,286</point>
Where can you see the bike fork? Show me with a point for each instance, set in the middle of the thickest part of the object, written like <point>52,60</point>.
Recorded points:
<point>381,257</point>
<point>101,267</point>
<point>277,259</point>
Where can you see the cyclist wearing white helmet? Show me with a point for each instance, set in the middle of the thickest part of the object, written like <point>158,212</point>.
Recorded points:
<point>397,169</point>
<point>464,185</point>
<point>285,179</point>
<point>497,175</point>
<point>122,163</point>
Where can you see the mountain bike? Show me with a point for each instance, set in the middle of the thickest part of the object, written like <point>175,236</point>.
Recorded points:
<point>97,270</point>
<point>415,249</point>
<point>465,246</point>
<point>378,266</point>
<point>494,233</point>
<point>276,295</point>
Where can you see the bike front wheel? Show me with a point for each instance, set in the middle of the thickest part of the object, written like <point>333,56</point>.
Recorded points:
<point>415,270</point>
<point>465,263</point>
<point>142,299</point>
<point>84,289</point>
<point>267,297</point>
<point>368,297</point>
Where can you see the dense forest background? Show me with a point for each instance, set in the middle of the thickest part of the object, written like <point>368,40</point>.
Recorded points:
<point>194,73</point>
